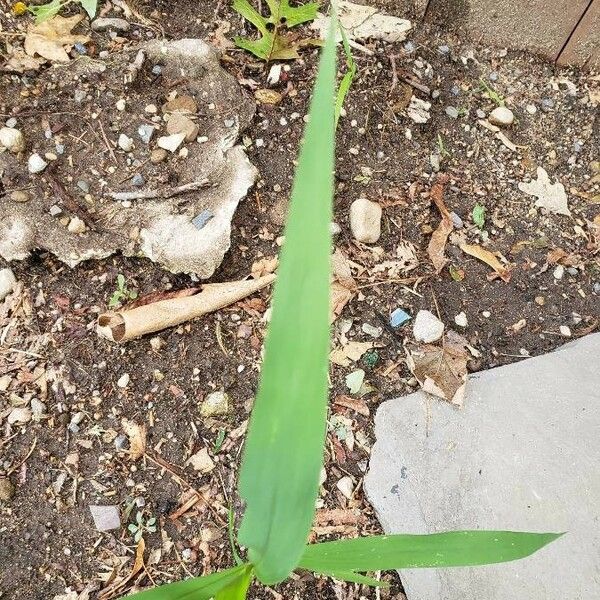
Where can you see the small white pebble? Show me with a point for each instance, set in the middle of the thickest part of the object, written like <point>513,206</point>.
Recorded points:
<point>123,381</point>
<point>461,319</point>
<point>564,330</point>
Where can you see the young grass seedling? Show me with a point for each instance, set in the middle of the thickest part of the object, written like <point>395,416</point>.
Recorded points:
<point>491,93</point>
<point>479,215</point>
<point>122,293</point>
<point>443,152</point>
<point>279,477</point>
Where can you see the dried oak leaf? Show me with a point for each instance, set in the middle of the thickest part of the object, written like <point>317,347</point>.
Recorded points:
<point>490,259</point>
<point>52,38</point>
<point>550,196</point>
<point>345,355</point>
<point>343,285</point>
<point>442,370</point>
<point>437,244</point>
<point>19,62</point>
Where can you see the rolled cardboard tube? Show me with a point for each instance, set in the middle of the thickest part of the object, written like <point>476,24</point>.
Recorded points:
<point>122,326</point>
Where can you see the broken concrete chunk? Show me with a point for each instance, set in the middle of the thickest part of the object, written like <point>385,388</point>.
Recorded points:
<point>8,281</point>
<point>12,139</point>
<point>364,22</point>
<point>179,123</point>
<point>427,327</point>
<point>167,234</point>
<point>106,518</point>
<point>521,455</point>
<point>171,142</point>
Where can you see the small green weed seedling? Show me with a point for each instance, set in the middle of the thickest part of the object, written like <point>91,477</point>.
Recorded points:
<point>442,151</point>
<point>42,12</point>
<point>478,215</point>
<point>491,93</point>
<point>122,293</point>
<point>141,526</point>
<point>283,457</point>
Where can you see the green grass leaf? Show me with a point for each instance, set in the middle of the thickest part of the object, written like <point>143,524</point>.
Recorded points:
<point>90,7</point>
<point>284,446</point>
<point>198,588</point>
<point>348,78</point>
<point>450,549</point>
<point>238,588</point>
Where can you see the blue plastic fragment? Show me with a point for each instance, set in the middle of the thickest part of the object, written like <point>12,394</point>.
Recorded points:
<point>399,317</point>
<point>202,219</point>
<point>81,49</point>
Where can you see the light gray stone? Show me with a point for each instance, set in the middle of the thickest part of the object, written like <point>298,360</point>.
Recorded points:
<point>365,220</point>
<point>522,455</point>
<point>8,281</point>
<point>116,24</point>
<point>106,518</point>
<point>501,116</point>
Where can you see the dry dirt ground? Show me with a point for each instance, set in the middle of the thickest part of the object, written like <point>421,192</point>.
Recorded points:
<point>72,453</point>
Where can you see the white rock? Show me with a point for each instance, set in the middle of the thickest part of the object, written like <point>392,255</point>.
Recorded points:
<point>18,416</point>
<point>215,404</point>
<point>38,408</point>
<point>12,139</point>
<point>501,116</point>
<point>120,104</point>
<point>427,327</point>
<point>201,461</point>
<point>179,123</point>
<point>346,486</point>
<point>76,225</point>
<point>461,319</point>
<point>123,381</point>
<point>125,143</point>
<point>7,283</point>
<point>559,272</point>
<point>365,220</point>
<point>170,142</point>
<point>106,517</point>
<point>564,330</point>
<point>36,164</point>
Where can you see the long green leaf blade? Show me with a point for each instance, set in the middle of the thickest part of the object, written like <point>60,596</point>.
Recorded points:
<point>238,588</point>
<point>284,447</point>
<point>450,549</point>
<point>198,588</point>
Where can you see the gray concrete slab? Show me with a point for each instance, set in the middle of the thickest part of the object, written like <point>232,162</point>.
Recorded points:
<point>522,454</point>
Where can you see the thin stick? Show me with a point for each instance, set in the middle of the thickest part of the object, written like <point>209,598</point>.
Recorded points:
<point>168,193</point>
<point>110,148</point>
<point>10,471</point>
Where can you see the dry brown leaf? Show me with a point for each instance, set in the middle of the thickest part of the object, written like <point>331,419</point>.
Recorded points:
<point>138,564</point>
<point>488,258</point>
<point>345,355</point>
<point>437,244</point>
<point>266,96</point>
<point>354,404</point>
<point>158,296</point>
<point>201,461</point>
<point>52,38</point>
<point>264,266</point>
<point>137,438</point>
<point>442,371</point>
<point>343,286</point>
<point>19,62</point>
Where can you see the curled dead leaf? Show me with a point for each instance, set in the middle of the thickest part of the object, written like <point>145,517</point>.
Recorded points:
<point>437,244</point>
<point>137,438</point>
<point>349,353</point>
<point>489,258</point>
<point>52,38</point>
<point>442,370</point>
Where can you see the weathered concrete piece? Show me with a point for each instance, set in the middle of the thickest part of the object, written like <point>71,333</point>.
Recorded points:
<point>166,229</point>
<point>522,454</point>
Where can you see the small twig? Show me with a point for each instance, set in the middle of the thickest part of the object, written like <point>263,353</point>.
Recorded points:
<point>417,85</point>
<point>168,193</point>
<point>108,146</point>
<point>135,67</point>
<point>69,202</point>
<point>10,471</point>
